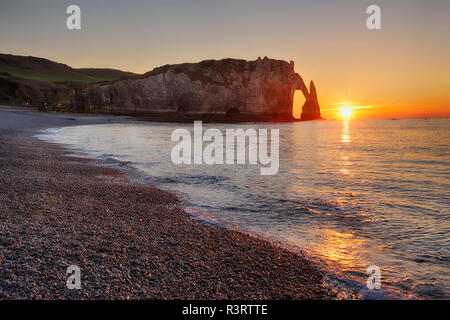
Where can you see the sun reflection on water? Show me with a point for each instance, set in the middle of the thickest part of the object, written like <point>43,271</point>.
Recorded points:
<point>345,136</point>
<point>341,248</point>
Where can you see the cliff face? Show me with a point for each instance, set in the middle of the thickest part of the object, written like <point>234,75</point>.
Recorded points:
<point>39,82</point>
<point>260,87</point>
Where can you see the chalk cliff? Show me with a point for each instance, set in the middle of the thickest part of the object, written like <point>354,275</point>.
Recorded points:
<point>211,87</point>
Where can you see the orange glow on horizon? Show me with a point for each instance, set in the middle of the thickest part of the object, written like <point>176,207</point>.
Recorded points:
<point>381,110</point>
<point>347,111</point>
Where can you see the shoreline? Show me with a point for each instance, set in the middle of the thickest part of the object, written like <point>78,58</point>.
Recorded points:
<point>130,241</point>
<point>174,117</point>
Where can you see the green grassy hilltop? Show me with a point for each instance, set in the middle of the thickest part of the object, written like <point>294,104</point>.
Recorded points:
<point>27,80</point>
<point>43,70</point>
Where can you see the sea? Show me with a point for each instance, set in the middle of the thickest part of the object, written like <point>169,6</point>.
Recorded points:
<point>352,196</point>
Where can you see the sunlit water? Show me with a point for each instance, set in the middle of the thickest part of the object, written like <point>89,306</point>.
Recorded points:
<point>350,193</point>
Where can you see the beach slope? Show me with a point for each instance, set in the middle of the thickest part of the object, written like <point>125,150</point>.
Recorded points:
<point>130,241</point>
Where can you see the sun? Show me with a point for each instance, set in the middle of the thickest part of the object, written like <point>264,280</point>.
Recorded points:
<point>346,112</point>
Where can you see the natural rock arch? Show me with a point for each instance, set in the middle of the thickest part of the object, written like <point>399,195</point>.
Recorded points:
<point>311,108</point>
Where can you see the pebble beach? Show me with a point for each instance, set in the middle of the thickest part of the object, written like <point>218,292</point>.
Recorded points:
<point>130,241</point>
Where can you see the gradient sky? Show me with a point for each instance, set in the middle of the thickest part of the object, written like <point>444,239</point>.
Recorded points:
<point>401,70</point>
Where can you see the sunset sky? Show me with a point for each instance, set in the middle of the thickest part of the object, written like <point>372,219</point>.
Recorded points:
<point>402,70</point>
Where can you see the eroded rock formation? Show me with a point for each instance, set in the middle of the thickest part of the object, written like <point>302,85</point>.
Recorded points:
<point>229,86</point>
<point>311,109</point>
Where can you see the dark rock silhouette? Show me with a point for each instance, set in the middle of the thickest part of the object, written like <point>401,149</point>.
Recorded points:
<point>311,108</point>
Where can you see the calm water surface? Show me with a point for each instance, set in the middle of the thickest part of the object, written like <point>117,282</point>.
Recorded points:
<point>350,193</point>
